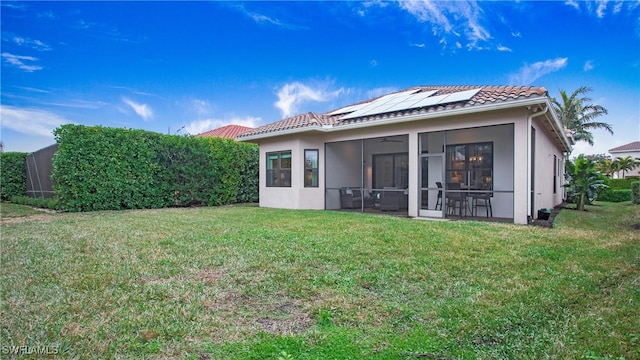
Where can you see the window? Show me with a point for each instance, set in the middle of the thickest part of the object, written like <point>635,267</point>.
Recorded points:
<point>391,170</point>
<point>555,174</point>
<point>311,168</point>
<point>470,164</point>
<point>279,169</point>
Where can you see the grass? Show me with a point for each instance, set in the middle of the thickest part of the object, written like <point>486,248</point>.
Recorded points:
<point>252,283</point>
<point>11,211</point>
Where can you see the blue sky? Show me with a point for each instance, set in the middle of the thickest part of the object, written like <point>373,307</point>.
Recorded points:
<point>188,67</point>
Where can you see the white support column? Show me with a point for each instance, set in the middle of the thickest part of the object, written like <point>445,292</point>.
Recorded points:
<point>414,175</point>
<point>521,168</point>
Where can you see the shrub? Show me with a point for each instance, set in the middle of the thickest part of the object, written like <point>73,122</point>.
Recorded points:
<point>52,204</point>
<point>13,174</point>
<point>614,195</point>
<point>635,190</point>
<point>621,184</point>
<point>98,168</point>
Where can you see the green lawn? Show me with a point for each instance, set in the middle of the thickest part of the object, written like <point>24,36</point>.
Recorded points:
<point>251,283</point>
<point>8,210</point>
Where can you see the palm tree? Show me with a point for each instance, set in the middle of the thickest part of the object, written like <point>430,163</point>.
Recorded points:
<point>626,164</point>
<point>577,114</point>
<point>607,167</point>
<point>584,182</point>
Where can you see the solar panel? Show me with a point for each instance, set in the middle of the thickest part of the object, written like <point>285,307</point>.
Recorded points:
<point>386,102</point>
<point>411,99</point>
<point>347,109</point>
<point>374,104</point>
<point>432,100</point>
<point>399,94</point>
<point>459,96</point>
<point>405,105</point>
<point>363,112</point>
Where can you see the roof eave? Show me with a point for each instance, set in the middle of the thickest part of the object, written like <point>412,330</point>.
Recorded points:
<point>296,130</point>
<point>623,151</point>
<point>558,127</point>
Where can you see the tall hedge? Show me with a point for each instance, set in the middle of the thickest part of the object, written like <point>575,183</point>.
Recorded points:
<point>621,184</point>
<point>98,168</point>
<point>13,174</point>
<point>635,192</point>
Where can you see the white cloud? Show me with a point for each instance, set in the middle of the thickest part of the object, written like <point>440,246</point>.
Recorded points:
<point>362,7</point>
<point>261,19</point>
<point>418,45</point>
<point>292,95</point>
<point>30,121</point>
<point>201,107</point>
<point>504,48</point>
<point>450,18</point>
<point>200,126</point>
<point>21,62</point>
<point>78,104</point>
<point>143,110</point>
<point>36,90</point>
<point>12,5</point>
<point>588,66</point>
<point>599,7</point>
<point>617,7</point>
<point>265,19</point>
<point>427,11</point>
<point>376,92</point>
<point>530,73</point>
<point>602,142</point>
<point>34,44</point>
<point>573,4</point>
<point>602,6</point>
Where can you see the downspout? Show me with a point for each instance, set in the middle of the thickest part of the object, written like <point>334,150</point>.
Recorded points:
<point>362,168</point>
<point>529,190</point>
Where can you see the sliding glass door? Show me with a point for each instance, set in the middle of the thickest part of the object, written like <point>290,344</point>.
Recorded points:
<point>431,188</point>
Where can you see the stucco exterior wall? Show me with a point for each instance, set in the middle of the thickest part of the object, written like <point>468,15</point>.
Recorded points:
<point>544,170</point>
<point>296,196</point>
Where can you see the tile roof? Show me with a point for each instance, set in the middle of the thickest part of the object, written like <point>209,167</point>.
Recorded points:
<point>228,131</point>
<point>309,119</point>
<point>486,95</point>
<point>634,146</point>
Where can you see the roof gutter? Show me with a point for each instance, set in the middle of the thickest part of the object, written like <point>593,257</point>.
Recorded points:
<point>556,126</point>
<point>297,130</point>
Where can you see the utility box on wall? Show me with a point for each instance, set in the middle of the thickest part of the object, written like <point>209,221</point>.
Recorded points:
<point>544,213</point>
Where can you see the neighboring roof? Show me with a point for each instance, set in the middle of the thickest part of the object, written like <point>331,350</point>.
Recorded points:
<point>480,97</point>
<point>634,146</point>
<point>228,131</point>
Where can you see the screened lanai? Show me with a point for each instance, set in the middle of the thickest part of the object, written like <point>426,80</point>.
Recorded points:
<point>461,173</point>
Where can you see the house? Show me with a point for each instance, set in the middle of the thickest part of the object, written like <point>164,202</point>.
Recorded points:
<point>427,151</point>
<point>227,131</point>
<point>631,149</point>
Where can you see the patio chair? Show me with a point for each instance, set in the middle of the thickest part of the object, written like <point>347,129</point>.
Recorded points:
<point>390,199</point>
<point>439,200</point>
<point>457,201</point>
<point>350,198</point>
<point>483,200</point>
